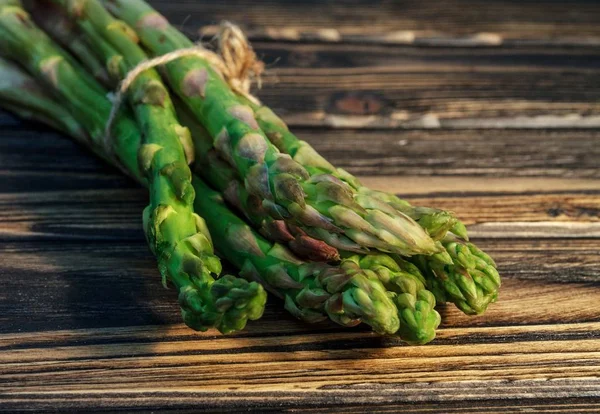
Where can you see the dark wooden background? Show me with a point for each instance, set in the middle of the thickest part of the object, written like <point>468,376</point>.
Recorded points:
<point>488,108</point>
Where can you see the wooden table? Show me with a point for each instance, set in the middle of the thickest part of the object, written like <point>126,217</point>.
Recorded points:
<point>491,109</point>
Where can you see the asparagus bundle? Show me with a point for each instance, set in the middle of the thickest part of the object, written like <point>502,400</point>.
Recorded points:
<point>471,283</point>
<point>403,281</point>
<point>383,290</point>
<point>324,205</point>
<point>478,291</point>
<point>461,273</point>
<point>176,235</point>
<point>301,284</point>
<point>312,291</point>
<point>296,237</point>
<point>434,221</point>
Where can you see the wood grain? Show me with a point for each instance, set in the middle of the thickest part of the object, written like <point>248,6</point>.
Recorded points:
<point>201,371</point>
<point>349,98</point>
<point>448,23</point>
<point>488,109</point>
<point>114,214</point>
<point>87,283</point>
<point>466,152</point>
<point>98,307</point>
<point>391,87</point>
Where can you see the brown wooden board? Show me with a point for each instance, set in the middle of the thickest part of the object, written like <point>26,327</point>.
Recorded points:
<point>489,109</point>
<point>443,23</point>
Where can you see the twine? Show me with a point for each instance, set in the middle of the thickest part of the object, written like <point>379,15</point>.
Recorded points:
<point>235,61</point>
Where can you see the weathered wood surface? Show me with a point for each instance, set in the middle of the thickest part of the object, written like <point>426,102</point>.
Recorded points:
<point>392,87</point>
<point>504,132</point>
<point>447,23</point>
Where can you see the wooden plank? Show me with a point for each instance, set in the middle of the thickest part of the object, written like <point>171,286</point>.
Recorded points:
<point>493,153</point>
<point>568,154</point>
<point>501,207</point>
<point>413,186</point>
<point>377,87</point>
<point>115,214</point>
<point>455,22</point>
<point>407,87</point>
<point>383,58</point>
<point>91,283</point>
<point>157,366</point>
<point>349,98</point>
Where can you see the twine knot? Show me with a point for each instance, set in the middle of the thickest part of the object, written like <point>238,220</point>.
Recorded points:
<point>235,60</point>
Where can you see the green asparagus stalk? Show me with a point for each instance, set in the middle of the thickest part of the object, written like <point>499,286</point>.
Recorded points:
<point>177,236</point>
<point>312,291</point>
<point>403,280</point>
<point>20,94</point>
<point>470,287</point>
<point>277,230</point>
<point>320,202</point>
<point>54,21</point>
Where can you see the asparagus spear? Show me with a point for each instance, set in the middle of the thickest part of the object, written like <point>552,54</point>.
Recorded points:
<point>177,236</point>
<point>319,201</point>
<point>277,230</point>
<point>407,287</point>
<point>435,222</point>
<point>54,21</point>
<point>22,95</point>
<point>470,287</point>
<point>403,280</point>
<point>312,291</point>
